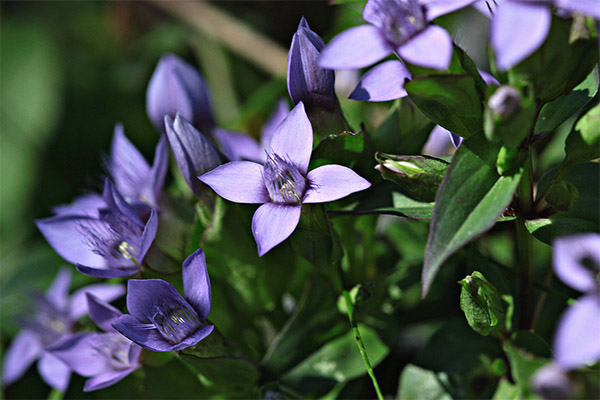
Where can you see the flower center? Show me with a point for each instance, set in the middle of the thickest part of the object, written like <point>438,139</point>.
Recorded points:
<point>114,348</point>
<point>399,20</point>
<point>284,182</point>
<point>175,324</point>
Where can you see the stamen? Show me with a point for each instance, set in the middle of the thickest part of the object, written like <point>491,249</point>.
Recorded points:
<point>177,323</point>
<point>283,180</point>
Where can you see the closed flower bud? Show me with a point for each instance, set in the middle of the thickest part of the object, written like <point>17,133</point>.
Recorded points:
<point>505,102</point>
<point>176,87</point>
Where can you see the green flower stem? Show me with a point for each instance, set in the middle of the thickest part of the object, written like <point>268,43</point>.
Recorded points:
<point>524,242</point>
<point>56,394</point>
<point>360,344</point>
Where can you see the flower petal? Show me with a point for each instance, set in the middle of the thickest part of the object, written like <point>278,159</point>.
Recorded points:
<point>148,234</point>
<point>569,254</point>
<point>103,291</point>
<point>143,294</point>
<point>86,205</point>
<point>382,83</point>
<point>355,48</point>
<point>272,224</point>
<point>58,293</point>
<point>438,143</point>
<point>147,337</point>
<point>517,30</point>
<point>106,379</point>
<point>237,146</point>
<point>432,48</point>
<point>116,203</point>
<point>102,313</point>
<point>293,138</point>
<point>488,78</point>
<point>106,273</point>
<point>584,7</point>
<point>79,353</point>
<point>197,336</point>
<point>54,371</point>
<point>64,233</point>
<point>332,182</point>
<point>437,8</point>
<point>196,284</point>
<point>238,181</point>
<point>281,110</point>
<point>576,341</point>
<point>25,348</point>
<point>158,172</point>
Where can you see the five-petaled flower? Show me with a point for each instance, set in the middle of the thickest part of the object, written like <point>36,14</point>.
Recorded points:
<point>283,183</point>
<point>160,319</point>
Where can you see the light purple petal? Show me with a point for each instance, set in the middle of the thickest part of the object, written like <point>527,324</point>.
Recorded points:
<point>196,284</point>
<point>103,291</point>
<point>489,79</point>
<point>281,110</point>
<point>517,30</point>
<point>382,83</point>
<point>577,340</point>
<point>127,166</point>
<point>158,172</point>
<point>142,296</point>
<point>147,337</point>
<point>86,205</point>
<point>134,354</point>
<point>438,143</point>
<point>332,182</point>
<point>148,234</point>
<point>432,48</point>
<point>54,371</point>
<point>102,313</point>
<point>79,353</point>
<point>568,254</point>
<point>107,273</point>
<point>115,202</point>
<point>106,379</point>
<point>237,146</point>
<point>551,382</point>
<point>238,181</point>
<point>272,224</point>
<point>58,293</point>
<point>584,7</point>
<point>293,138</point>
<point>437,8</point>
<point>25,348</point>
<point>355,48</point>
<point>65,233</point>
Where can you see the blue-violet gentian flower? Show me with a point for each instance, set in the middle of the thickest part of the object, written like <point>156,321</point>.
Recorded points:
<point>160,319</point>
<point>104,357</point>
<point>282,184</point>
<point>398,27</point>
<point>53,320</point>
<point>109,242</point>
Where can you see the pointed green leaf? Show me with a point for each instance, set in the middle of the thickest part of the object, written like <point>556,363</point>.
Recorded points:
<point>421,384</point>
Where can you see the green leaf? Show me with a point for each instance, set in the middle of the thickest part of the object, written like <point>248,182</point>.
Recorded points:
<point>421,384</point>
<point>507,391</point>
<point>233,374</point>
<point>555,113</point>
<point>340,360</point>
<point>523,365</point>
<point>583,143</point>
<point>482,304</point>
<point>451,101</point>
<point>469,201</point>
<point>583,217</point>
<point>412,208</point>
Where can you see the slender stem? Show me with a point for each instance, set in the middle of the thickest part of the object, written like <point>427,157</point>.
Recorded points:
<point>360,344</point>
<point>56,394</point>
<point>524,242</point>
<point>542,299</point>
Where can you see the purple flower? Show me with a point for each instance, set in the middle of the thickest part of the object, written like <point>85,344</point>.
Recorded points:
<point>577,264</point>
<point>238,146</point>
<point>162,320</point>
<point>192,150</point>
<point>105,357</point>
<point>551,382</point>
<point>133,177</point>
<point>52,320</point>
<point>175,87</point>
<point>283,184</point>
<point>439,142</point>
<point>400,27</point>
<point>306,81</point>
<point>109,242</point>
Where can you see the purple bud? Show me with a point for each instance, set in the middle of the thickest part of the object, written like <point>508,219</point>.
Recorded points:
<point>505,101</point>
<point>307,82</point>
<point>176,87</point>
<point>194,154</point>
<point>551,382</point>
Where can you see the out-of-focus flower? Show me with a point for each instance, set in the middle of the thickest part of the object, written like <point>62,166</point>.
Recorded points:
<point>238,146</point>
<point>551,382</point>
<point>396,26</point>
<point>133,177</point>
<point>441,141</point>
<point>283,184</point>
<point>505,102</point>
<point>160,319</point>
<point>176,87</point>
<point>577,264</point>
<point>109,244</point>
<point>193,152</point>
<point>104,357</point>
<point>52,320</point>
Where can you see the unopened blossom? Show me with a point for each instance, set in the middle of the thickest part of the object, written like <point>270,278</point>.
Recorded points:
<point>52,320</point>
<point>177,87</point>
<point>138,182</point>
<point>193,152</point>
<point>577,264</point>
<point>282,185</point>
<point>111,243</point>
<point>159,318</point>
<point>398,27</point>
<point>105,358</point>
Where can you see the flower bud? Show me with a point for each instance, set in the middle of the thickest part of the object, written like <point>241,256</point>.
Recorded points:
<point>176,87</point>
<point>505,102</point>
<point>551,382</point>
<point>483,306</point>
